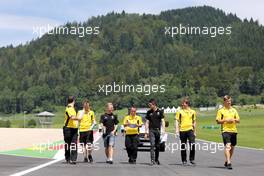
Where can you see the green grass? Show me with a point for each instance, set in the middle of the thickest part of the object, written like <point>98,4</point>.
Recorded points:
<point>17,120</point>
<point>38,151</point>
<point>58,118</point>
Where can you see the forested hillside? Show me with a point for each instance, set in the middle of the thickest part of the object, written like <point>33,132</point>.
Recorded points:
<point>133,49</point>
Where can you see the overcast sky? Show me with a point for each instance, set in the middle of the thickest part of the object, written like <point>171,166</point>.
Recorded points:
<point>18,17</point>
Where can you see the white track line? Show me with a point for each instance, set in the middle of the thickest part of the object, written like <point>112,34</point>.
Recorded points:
<point>36,168</point>
<point>58,156</point>
<point>249,148</point>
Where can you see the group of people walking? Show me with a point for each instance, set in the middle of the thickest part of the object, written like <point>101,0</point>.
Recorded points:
<point>84,121</point>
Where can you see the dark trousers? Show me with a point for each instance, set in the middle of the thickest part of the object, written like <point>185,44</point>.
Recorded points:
<point>70,139</point>
<point>154,137</point>
<point>131,143</point>
<point>184,136</point>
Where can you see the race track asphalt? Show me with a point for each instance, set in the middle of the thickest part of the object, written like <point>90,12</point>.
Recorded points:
<point>246,162</point>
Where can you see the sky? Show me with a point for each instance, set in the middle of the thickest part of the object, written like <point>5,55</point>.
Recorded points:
<point>19,18</point>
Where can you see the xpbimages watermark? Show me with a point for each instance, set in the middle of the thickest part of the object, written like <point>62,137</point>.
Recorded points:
<point>147,89</point>
<point>212,147</point>
<point>212,31</point>
<point>79,31</point>
<point>44,147</point>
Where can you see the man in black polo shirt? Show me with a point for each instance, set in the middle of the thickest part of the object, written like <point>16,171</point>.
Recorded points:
<point>154,122</point>
<point>109,123</point>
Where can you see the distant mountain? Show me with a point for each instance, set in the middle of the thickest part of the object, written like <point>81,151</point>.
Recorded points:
<point>134,49</point>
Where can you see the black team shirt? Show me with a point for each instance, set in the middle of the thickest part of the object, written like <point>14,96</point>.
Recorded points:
<point>109,121</point>
<point>155,118</point>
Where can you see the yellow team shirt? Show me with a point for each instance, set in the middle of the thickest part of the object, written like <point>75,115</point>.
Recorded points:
<point>71,111</point>
<point>186,117</point>
<point>87,120</point>
<point>132,129</point>
<point>225,113</point>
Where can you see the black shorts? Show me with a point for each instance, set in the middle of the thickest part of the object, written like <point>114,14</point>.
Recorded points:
<point>229,138</point>
<point>86,137</point>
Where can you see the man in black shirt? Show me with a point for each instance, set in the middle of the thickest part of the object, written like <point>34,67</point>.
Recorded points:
<point>109,123</point>
<point>155,125</point>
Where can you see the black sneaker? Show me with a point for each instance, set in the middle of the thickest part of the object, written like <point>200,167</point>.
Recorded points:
<point>152,163</point>
<point>67,161</point>
<point>192,163</point>
<point>184,163</point>
<point>157,162</point>
<point>110,162</point>
<point>225,164</point>
<point>229,166</point>
<point>90,158</point>
<point>134,162</point>
<point>130,161</point>
<point>85,160</point>
<point>73,162</point>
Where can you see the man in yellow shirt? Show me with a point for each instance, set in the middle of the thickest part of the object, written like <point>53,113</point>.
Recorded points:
<point>70,132</point>
<point>87,122</point>
<point>228,118</point>
<point>132,123</point>
<point>186,128</point>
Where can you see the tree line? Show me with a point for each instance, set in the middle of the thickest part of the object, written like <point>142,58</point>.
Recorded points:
<point>133,49</point>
